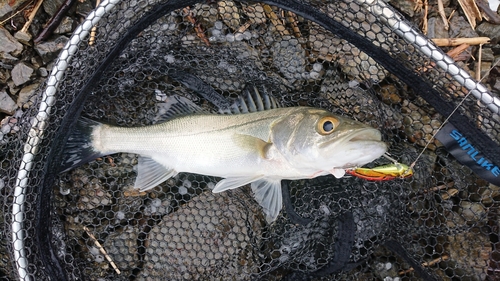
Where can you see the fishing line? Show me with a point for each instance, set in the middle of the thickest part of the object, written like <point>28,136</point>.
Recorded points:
<point>449,116</point>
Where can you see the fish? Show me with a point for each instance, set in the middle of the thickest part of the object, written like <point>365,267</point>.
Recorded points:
<point>257,148</point>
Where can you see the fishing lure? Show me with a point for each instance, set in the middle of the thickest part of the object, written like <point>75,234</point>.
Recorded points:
<point>382,173</point>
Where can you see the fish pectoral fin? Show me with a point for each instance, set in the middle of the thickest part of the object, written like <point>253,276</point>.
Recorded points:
<point>338,173</point>
<point>151,173</point>
<point>268,194</point>
<point>234,182</point>
<point>254,144</point>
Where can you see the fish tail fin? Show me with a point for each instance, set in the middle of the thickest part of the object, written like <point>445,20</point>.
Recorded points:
<point>79,149</point>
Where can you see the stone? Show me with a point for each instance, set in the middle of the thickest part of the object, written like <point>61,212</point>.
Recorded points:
<point>489,30</point>
<point>9,6</point>
<point>7,104</point>
<point>436,29</point>
<point>9,44</point>
<point>23,37</point>
<point>26,96</point>
<point>66,26</point>
<point>48,50</point>
<point>5,8</point>
<point>51,7</point>
<point>21,73</point>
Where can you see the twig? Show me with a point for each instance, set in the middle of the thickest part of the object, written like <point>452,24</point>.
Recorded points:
<point>20,9</point>
<point>426,264</point>
<point>244,27</point>
<point>443,15</point>
<point>197,26</point>
<point>134,193</point>
<point>479,59</point>
<point>447,42</point>
<point>54,21</point>
<point>488,14</point>
<point>31,16</point>
<point>440,187</point>
<point>455,52</point>
<point>94,28</point>
<point>102,250</point>
<point>449,193</point>
<point>426,12</point>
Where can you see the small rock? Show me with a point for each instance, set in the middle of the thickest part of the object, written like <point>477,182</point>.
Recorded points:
<point>436,29</point>
<point>48,50</point>
<point>23,37</point>
<point>51,7</point>
<point>9,6</point>
<point>4,74</point>
<point>489,30</point>
<point>26,97</point>
<point>66,26</point>
<point>21,73</point>
<point>5,8</point>
<point>487,54</point>
<point>7,104</point>
<point>43,72</point>
<point>460,27</point>
<point>9,44</point>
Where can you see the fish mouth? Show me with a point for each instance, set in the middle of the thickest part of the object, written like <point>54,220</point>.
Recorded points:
<point>368,134</point>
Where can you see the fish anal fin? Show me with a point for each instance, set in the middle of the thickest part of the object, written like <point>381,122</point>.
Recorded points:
<point>151,173</point>
<point>267,193</point>
<point>233,182</point>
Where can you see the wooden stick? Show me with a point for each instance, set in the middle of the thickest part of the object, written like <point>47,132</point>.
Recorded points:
<point>453,53</point>
<point>426,264</point>
<point>426,12</point>
<point>31,16</point>
<point>448,42</point>
<point>479,59</point>
<point>102,250</point>
<point>443,15</point>
<point>54,21</point>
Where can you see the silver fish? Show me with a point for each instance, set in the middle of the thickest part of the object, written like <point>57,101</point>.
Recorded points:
<point>259,148</point>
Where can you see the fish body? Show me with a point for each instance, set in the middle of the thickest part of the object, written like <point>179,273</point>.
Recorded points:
<point>260,148</point>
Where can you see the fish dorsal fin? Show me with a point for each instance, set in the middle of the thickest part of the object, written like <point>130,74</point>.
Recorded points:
<point>252,99</point>
<point>233,182</point>
<point>267,193</point>
<point>151,173</point>
<point>176,106</point>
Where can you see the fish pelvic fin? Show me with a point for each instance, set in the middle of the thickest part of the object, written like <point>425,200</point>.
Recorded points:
<point>151,173</point>
<point>78,149</point>
<point>267,193</point>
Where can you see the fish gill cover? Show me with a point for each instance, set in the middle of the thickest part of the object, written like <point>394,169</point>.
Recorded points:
<point>348,57</point>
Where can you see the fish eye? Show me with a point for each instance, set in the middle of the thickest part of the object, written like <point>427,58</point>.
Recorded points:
<point>327,125</point>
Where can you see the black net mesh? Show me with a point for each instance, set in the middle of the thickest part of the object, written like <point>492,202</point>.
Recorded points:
<point>90,223</point>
